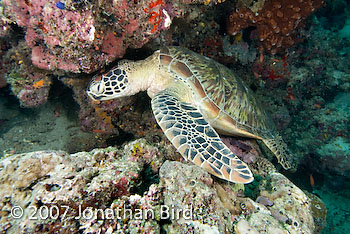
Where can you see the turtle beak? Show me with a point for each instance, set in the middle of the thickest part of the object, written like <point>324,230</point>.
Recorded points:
<point>94,97</point>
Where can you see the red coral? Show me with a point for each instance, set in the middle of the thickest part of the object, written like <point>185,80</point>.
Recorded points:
<point>123,186</point>
<point>276,23</point>
<point>113,46</point>
<point>155,15</point>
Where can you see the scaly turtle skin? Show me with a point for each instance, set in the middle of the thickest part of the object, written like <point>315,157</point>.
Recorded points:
<point>191,96</point>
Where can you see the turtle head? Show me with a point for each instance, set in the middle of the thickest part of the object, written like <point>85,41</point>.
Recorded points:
<point>126,79</point>
<point>113,84</point>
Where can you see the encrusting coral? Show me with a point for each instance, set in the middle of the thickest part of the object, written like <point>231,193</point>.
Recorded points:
<point>83,36</point>
<point>91,192</point>
<point>276,24</point>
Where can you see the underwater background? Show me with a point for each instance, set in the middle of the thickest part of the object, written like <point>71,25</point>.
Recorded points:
<point>60,149</point>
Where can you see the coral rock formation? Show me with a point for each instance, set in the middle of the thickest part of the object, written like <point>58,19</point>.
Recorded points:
<point>220,208</point>
<point>82,36</point>
<point>65,183</point>
<point>276,23</point>
<point>73,188</point>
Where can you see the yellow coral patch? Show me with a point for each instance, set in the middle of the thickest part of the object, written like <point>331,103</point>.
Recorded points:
<point>137,150</point>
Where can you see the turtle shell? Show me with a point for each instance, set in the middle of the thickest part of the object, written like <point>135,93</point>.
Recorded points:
<point>227,103</point>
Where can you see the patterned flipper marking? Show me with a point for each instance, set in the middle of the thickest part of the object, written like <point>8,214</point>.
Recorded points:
<point>196,140</point>
<point>280,149</point>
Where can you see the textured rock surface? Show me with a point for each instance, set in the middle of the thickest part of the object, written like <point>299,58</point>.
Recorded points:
<point>221,207</point>
<point>67,183</point>
<point>57,179</point>
<point>61,186</point>
<point>82,36</point>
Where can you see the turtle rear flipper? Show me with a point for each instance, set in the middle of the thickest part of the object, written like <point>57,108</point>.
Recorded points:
<point>196,140</point>
<point>280,150</point>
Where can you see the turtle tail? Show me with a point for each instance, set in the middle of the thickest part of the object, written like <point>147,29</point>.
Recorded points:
<point>280,149</point>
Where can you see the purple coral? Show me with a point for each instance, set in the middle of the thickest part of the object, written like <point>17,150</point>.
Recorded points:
<point>30,97</point>
<point>243,149</point>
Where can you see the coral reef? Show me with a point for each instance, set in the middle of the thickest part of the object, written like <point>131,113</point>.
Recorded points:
<point>83,36</point>
<point>211,201</point>
<point>330,140</point>
<point>309,101</point>
<point>30,84</point>
<point>68,183</point>
<point>200,24</point>
<point>103,191</point>
<point>133,214</point>
<point>305,91</point>
<point>198,194</point>
<point>321,86</point>
<point>276,23</point>
<point>77,37</point>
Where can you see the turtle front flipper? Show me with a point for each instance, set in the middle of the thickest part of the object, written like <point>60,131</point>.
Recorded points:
<point>196,140</point>
<point>281,151</point>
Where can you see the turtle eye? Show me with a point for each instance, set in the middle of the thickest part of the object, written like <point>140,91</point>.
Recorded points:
<point>97,88</point>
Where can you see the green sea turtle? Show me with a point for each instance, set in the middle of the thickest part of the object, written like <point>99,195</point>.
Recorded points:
<point>191,96</point>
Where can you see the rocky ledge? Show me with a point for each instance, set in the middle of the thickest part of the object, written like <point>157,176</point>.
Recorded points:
<point>134,189</point>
